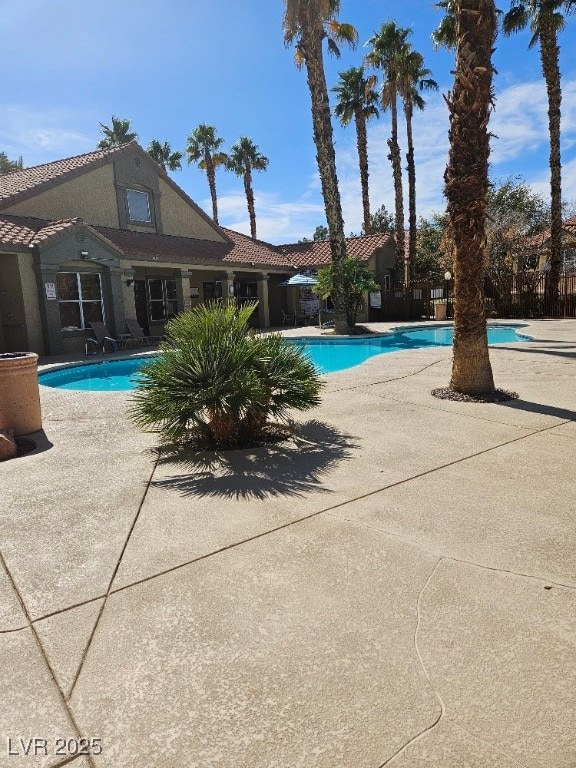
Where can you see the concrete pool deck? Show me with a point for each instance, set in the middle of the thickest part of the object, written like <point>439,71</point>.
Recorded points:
<point>394,587</point>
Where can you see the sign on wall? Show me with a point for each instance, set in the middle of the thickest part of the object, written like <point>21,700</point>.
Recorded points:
<point>50,289</point>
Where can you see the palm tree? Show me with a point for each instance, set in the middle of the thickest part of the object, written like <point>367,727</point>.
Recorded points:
<point>357,101</point>
<point>466,190</point>
<point>388,47</point>
<point>544,17</point>
<point>163,155</point>
<point>444,36</point>
<point>413,77</point>
<point>203,149</point>
<point>244,158</point>
<point>307,23</point>
<point>118,134</point>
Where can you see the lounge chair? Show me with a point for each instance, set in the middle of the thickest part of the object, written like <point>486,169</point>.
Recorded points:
<point>103,337</point>
<point>138,334</point>
<point>288,318</point>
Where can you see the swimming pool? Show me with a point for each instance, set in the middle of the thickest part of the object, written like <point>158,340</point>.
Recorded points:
<point>328,354</point>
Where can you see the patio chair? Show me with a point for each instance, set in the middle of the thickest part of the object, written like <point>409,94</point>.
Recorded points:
<point>138,335</point>
<point>288,318</point>
<point>103,337</point>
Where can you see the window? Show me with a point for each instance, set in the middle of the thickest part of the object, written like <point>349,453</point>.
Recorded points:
<point>163,299</point>
<point>80,299</point>
<point>385,282</point>
<point>138,206</point>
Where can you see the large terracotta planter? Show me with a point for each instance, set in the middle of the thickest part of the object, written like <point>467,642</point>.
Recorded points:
<point>19,393</point>
<point>440,311</point>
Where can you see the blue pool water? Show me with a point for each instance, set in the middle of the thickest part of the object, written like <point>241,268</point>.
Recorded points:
<point>329,355</point>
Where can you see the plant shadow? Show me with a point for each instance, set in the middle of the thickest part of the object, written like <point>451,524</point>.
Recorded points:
<point>293,467</point>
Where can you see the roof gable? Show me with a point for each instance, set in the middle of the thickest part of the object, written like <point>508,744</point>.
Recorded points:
<point>19,185</point>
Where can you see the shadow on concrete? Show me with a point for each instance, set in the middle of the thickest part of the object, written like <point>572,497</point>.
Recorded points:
<point>293,467</point>
<point>554,351</point>
<point>545,410</point>
<point>30,445</point>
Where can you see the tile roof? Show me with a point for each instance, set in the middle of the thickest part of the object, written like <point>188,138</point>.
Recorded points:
<point>541,239</point>
<point>317,253</point>
<point>28,231</point>
<point>242,249</point>
<point>16,184</point>
<point>570,225</point>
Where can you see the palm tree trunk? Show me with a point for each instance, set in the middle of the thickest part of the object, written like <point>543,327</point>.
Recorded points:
<point>466,189</point>
<point>311,48</point>
<point>394,158</point>
<point>250,201</point>
<point>211,174</point>
<point>411,260</point>
<point>549,55</point>
<point>362,144</point>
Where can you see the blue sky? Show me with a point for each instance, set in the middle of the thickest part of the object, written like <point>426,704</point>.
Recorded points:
<point>169,66</point>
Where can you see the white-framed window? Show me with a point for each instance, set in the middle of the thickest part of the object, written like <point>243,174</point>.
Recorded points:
<point>162,299</point>
<point>79,299</point>
<point>138,206</point>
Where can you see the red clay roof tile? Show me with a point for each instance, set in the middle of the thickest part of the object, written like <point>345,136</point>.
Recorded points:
<point>16,184</point>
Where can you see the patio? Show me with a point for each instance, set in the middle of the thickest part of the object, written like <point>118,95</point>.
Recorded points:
<point>395,587</point>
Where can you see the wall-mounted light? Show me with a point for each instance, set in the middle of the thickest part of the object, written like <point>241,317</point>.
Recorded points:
<point>130,281</point>
<point>84,254</point>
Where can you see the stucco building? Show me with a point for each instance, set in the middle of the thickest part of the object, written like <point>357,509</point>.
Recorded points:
<point>108,235</point>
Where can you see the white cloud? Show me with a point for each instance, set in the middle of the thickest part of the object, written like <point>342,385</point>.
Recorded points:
<point>40,136</point>
<point>520,122</point>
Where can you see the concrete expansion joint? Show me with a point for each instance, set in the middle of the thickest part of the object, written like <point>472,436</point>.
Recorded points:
<point>111,582</point>
<point>44,656</point>
<point>13,629</point>
<point>548,583</point>
<point>326,510</point>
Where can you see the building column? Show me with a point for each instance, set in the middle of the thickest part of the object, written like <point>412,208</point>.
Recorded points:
<point>115,307</point>
<point>49,308</point>
<point>227,280</point>
<point>263,306</point>
<point>128,293</point>
<point>184,300</point>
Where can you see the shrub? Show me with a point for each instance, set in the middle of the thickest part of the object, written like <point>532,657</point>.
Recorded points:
<point>217,383</point>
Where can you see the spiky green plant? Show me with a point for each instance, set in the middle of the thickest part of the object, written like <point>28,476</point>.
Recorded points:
<point>216,382</point>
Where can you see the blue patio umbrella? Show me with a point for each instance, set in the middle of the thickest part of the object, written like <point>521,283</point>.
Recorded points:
<point>300,280</point>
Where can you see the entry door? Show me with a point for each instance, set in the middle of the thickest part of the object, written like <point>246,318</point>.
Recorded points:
<point>141,303</point>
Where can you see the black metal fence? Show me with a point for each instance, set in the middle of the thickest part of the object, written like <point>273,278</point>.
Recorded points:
<point>524,295</point>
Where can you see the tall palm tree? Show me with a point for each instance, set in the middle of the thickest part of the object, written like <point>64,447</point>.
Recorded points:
<point>118,134</point>
<point>204,149</point>
<point>307,23</point>
<point>466,190</point>
<point>545,19</point>
<point>244,158</point>
<point>357,101</point>
<point>413,78</point>
<point>444,36</point>
<point>389,45</point>
<point>163,155</point>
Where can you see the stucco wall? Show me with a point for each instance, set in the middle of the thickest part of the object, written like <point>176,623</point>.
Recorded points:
<point>91,196</point>
<point>178,218</point>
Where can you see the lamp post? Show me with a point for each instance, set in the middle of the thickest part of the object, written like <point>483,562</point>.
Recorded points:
<point>447,278</point>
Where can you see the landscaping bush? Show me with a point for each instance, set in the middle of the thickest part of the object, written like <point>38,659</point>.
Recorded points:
<point>216,383</point>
